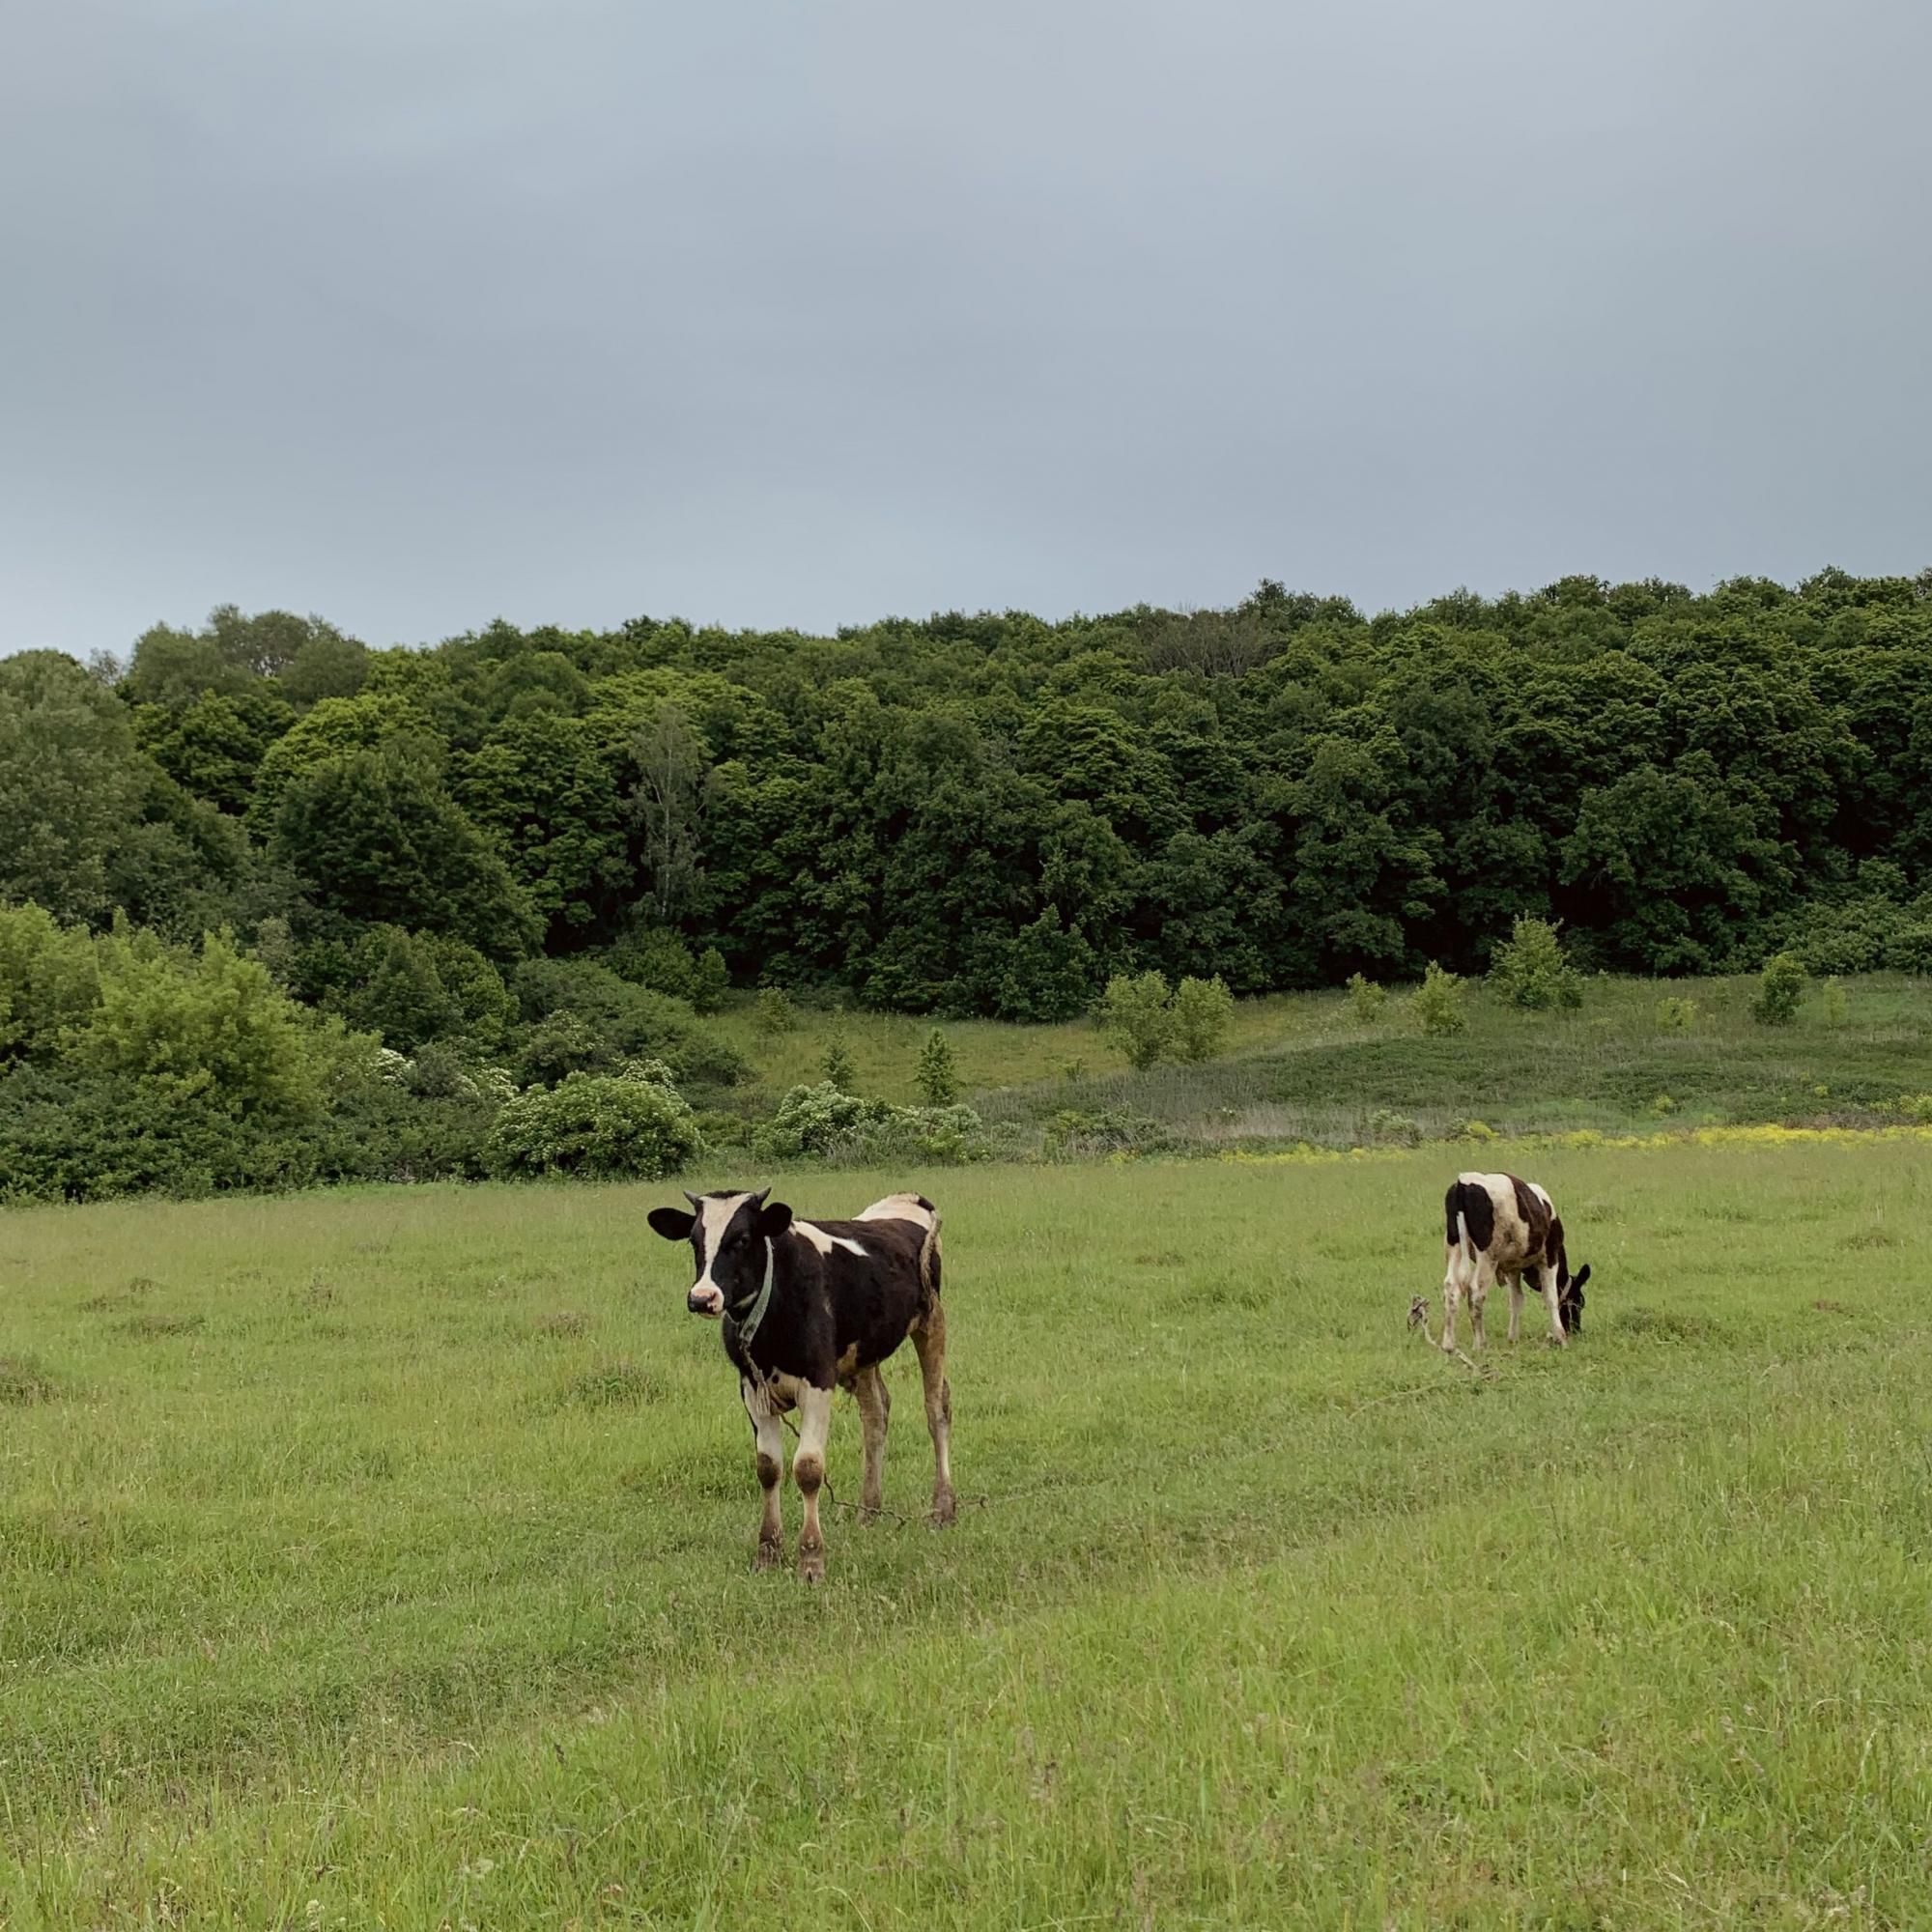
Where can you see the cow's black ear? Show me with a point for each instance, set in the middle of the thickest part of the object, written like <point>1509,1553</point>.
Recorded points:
<point>774,1220</point>
<point>1582,1275</point>
<point>673,1223</point>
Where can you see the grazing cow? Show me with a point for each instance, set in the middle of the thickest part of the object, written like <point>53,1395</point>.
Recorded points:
<point>1500,1226</point>
<point>808,1304</point>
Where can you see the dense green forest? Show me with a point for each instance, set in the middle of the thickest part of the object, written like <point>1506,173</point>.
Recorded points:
<point>554,849</point>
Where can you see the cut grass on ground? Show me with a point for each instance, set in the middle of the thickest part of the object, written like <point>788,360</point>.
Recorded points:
<point>397,1570</point>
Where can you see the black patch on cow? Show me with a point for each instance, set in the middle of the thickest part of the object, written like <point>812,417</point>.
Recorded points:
<point>673,1223</point>
<point>1477,1209</point>
<point>1536,1216</point>
<point>1570,1301</point>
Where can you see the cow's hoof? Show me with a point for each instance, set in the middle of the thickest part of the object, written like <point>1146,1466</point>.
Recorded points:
<point>945,1511</point>
<point>770,1557</point>
<point>811,1566</point>
<point>868,1512</point>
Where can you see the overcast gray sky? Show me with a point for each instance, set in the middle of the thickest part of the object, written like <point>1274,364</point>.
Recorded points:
<point>417,312</point>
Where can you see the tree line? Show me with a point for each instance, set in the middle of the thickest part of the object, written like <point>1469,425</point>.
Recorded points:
<point>994,814</point>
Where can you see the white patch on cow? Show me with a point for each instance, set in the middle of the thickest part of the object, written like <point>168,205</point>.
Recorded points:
<point>899,1208</point>
<point>715,1219</point>
<point>825,1242</point>
<point>771,1394</point>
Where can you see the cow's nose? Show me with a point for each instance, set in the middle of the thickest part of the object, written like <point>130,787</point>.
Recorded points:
<point>701,1303</point>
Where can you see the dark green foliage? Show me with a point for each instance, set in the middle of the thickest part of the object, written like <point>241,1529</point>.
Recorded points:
<point>1780,991</point>
<point>71,782</point>
<point>375,838</point>
<point>710,982</point>
<point>581,1016</point>
<point>1048,972</point>
<point>411,989</point>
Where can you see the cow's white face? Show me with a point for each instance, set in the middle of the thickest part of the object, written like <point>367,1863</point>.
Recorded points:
<point>730,1237</point>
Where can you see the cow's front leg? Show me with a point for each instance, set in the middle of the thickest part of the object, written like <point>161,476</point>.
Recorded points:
<point>807,1470</point>
<point>1546,1279</point>
<point>1515,1306</point>
<point>875,1409</point>
<point>770,1440</point>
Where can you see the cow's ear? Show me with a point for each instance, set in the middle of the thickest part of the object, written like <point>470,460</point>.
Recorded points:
<point>774,1220</point>
<point>673,1223</point>
<point>1582,1275</point>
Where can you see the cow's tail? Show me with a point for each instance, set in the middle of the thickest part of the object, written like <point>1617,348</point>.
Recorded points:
<point>1456,1231</point>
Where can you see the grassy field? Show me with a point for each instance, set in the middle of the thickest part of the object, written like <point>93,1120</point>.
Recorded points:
<point>1299,1068</point>
<point>383,1559</point>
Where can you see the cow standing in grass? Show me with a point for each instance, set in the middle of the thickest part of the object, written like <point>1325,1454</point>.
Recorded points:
<point>810,1306</point>
<point>1500,1226</point>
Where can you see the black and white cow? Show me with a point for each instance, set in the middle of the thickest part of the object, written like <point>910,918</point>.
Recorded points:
<point>1498,1226</point>
<point>810,1306</point>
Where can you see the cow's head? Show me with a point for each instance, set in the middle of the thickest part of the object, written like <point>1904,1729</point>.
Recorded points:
<point>730,1237</point>
<point>1570,1299</point>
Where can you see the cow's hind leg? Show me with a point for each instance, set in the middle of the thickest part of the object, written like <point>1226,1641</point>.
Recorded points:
<point>1516,1305</point>
<point>807,1470</point>
<point>771,1473</point>
<point>928,1338</point>
<point>875,1410</point>
<point>1479,1293</point>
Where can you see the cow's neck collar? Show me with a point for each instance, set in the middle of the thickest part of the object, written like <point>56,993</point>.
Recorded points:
<point>749,1322</point>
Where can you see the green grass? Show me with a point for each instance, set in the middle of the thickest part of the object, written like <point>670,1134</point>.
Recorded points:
<point>1297,1067</point>
<point>1303,1071</point>
<point>383,1559</point>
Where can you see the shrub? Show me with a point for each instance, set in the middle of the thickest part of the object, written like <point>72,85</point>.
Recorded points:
<point>1676,1015</point>
<point>594,1126</point>
<point>1473,1131</point>
<point>49,981</point>
<point>935,1077</point>
<point>1437,1002</point>
<point>1780,989</point>
<point>622,1019</point>
<point>1075,1133</point>
<point>775,1013</point>
<point>1833,1002</point>
<point>840,1070</point>
<point>1136,1015</point>
<point>812,1120</point>
<point>821,1121</point>
<point>655,959</point>
<point>179,1025</point>
<point>1048,972</point>
<point>1529,970</point>
<point>1916,1107</point>
<point>1910,950</point>
<point>1367,1000</point>
<point>1202,1011</point>
<point>709,982</point>
<point>1385,1124</point>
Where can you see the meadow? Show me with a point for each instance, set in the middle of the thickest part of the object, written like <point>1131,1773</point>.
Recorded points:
<point>381,1557</point>
<point>1302,1066</point>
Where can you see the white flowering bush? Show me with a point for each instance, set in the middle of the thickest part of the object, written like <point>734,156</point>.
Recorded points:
<point>822,1123</point>
<point>600,1126</point>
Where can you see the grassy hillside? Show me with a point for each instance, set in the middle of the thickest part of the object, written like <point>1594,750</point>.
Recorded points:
<point>1296,1067</point>
<point>384,1557</point>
